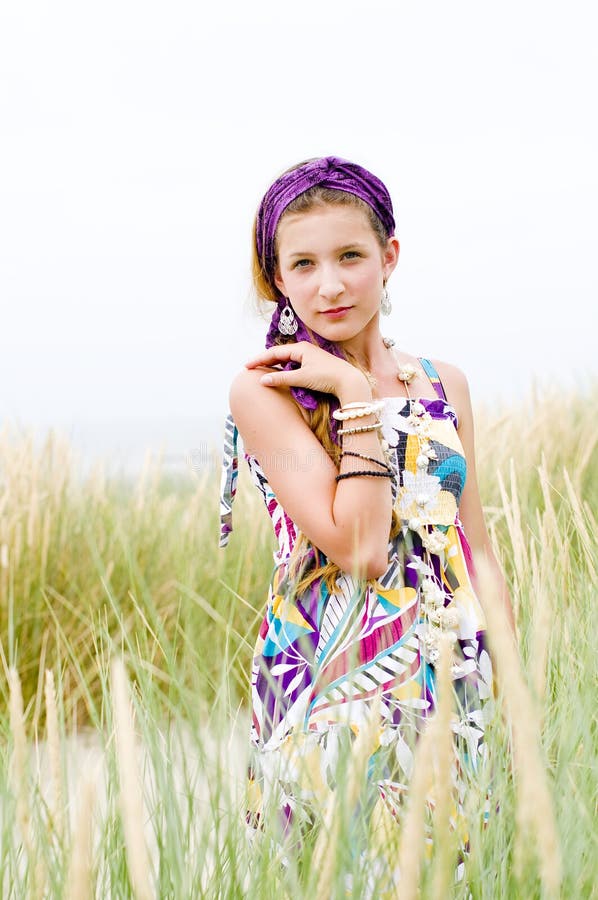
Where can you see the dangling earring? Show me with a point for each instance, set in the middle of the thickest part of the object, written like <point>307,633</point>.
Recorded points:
<point>287,324</point>
<point>385,304</point>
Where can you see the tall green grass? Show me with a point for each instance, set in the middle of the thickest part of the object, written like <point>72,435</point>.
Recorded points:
<point>97,570</point>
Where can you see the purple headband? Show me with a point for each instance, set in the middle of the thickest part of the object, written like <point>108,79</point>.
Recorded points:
<point>328,172</point>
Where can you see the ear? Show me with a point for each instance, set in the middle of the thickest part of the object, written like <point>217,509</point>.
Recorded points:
<point>390,257</point>
<point>278,281</point>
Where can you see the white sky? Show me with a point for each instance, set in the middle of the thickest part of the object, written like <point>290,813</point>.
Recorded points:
<point>136,139</point>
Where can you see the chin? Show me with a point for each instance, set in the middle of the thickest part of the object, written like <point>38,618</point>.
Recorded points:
<point>337,335</point>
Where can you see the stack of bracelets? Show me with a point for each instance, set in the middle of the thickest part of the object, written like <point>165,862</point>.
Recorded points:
<point>358,411</point>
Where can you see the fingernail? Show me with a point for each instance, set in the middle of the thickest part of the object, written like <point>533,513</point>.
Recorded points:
<point>266,379</point>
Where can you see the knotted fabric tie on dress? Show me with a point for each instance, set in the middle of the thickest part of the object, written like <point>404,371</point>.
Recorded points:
<point>228,483</point>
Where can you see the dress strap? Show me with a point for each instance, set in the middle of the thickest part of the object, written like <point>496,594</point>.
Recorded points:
<point>433,376</point>
<point>228,483</point>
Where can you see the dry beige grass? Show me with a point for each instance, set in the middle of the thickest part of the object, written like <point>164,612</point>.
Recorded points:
<point>84,569</point>
<point>535,810</point>
<point>80,877</point>
<point>444,759</point>
<point>57,803</point>
<point>342,802</point>
<point>131,796</point>
<point>20,780</point>
<point>413,836</point>
<point>431,787</point>
<point>19,768</point>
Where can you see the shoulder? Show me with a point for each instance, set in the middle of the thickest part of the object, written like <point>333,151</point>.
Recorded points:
<point>450,375</point>
<point>254,405</point>
<point>245,386</point>
<point>456,387</point>
<point>246,390</point>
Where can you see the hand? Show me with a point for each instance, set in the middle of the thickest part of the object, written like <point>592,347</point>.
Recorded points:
<point>318,370</point>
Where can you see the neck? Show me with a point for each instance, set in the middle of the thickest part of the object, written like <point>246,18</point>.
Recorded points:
<point>368,350</point>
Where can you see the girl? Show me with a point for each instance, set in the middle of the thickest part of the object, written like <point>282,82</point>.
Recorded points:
<point>360,451</point>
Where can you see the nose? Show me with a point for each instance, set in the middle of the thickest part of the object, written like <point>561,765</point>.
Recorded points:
<point>331,285</point>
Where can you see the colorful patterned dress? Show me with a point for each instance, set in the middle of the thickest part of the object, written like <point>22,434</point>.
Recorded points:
<point>321,656</point>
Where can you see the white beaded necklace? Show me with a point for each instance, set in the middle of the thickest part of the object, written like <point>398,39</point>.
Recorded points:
<point>438,620</point>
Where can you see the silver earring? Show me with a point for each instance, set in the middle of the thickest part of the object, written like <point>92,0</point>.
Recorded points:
<point>385,304</point>
<point>287,324</point>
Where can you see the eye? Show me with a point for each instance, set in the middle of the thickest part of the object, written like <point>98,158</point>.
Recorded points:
<point>351,254</point>
<point>302,264</point>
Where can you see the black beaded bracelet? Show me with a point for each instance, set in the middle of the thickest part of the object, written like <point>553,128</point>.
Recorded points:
<point>379,462</point>
<point>363,472</point>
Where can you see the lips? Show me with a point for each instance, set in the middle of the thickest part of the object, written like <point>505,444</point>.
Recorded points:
<point>337,311</point>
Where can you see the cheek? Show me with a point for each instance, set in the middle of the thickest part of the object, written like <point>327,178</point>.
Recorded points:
<point>286,283</point>
<point>298,291</point>
<point>369,279</point>
<point>299,282</point>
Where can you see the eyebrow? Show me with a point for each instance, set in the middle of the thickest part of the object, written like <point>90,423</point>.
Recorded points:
<point>344,248</point>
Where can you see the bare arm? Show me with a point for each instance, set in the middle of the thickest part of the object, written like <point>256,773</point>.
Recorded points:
<point>349,521</point>
<point>470,506</point>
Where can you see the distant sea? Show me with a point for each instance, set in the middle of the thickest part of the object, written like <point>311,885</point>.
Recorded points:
<point>188,444</point>
<point>183,445</point>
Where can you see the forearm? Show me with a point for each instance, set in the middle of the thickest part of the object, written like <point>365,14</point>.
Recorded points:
<point>499,590</point>
<point>362,506</point>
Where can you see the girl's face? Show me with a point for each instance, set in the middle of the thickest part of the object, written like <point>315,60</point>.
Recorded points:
<point>332,268</point>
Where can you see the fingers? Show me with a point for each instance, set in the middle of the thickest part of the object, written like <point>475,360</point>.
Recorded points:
<point>275,379</point>
<point>313,371</point>
<point>280,354</point>
<point>297,378</point>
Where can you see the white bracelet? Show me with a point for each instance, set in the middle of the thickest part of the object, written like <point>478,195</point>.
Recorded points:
<point>361,429</point>
<point>360,403</point>
<point>358,410</point>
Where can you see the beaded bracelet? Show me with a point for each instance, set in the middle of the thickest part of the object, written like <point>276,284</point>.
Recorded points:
<point>362,428</point>
<point>373,459</point>
<point>363,472</point>
<point>359,403</point>
<point>357,410</point>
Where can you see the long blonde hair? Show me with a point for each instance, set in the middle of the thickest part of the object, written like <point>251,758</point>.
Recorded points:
<point>318,418</point>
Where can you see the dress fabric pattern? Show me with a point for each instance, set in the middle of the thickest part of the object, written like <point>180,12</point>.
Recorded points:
<point>322,655</point>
